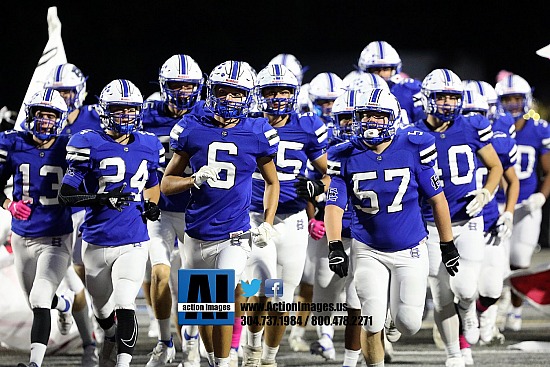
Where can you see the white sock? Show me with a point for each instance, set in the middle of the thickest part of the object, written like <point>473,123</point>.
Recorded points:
<point>269,353</point>
<point>150,312</point>
<point>38,350</point>
<point>378,364</point>
<point>221,362</point>
<point>351,357</point>
<point>327,330</point>
<point>297,331</point>
<point>191,330</point>
<point>62,304</point>
<point>123,360</point>
<point>254,339</point>
<point>164,329</point>
<point>211,358</point>
<point>517,310</point>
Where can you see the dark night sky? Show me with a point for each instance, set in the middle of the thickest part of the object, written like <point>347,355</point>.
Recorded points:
<point>132,39</point>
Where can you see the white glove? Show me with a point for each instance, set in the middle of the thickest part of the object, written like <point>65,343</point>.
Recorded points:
<point>262,234</point>
<point>505,223</point>
<point>534,202</point>
<point>481,198</point>
<point>204,174</point>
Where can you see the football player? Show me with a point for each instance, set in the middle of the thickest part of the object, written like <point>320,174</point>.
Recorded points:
<point>223,147</point>
<point>118,167</point>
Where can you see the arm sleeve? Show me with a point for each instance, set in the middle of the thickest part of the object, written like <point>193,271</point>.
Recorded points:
<point>71,196</point>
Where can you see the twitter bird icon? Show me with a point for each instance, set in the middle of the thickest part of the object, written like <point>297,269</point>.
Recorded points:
<point>252,288</point>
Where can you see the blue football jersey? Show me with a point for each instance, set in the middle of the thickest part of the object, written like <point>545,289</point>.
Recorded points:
<point>156,121</point>
<point>87,119</point>
<point>457,162</point>
<point>37,175</point>
<point>303,137</point>
<point>103,164</point>
<point>506,149</point>
<point>505,122</point>
<point>533,140</point>
<point>407,92</point>
<point>221,208</point>
<point>384,190</point>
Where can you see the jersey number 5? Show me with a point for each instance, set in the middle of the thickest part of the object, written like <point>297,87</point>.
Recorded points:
<point>372,196</point>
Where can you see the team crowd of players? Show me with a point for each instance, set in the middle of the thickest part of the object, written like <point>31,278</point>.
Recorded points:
<point>371,189</point>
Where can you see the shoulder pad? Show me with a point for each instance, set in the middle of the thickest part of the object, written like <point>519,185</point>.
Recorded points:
<point>479,122</point>
<point>418,137</point>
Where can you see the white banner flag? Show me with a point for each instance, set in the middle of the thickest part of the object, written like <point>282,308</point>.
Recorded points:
<point>53,54</point>
<point>544,52</point>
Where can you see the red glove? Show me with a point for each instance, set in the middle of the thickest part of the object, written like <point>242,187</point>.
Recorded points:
<point>316,229</point>
<point>19,209</point>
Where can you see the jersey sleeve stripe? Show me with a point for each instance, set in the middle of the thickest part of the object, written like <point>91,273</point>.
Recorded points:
<point>485,134</point>
<point>77,154</point>
<point>546,143</point>
<point>175,132</point>
<point>333,168</point>
<point>429,154</point>
<point>272,137</point>
<point>3,156</point>
<point>323,137</point>
<point>162,157</point>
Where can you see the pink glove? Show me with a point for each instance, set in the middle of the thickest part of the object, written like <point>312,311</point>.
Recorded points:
<point>19,209</point>
<point>316,229</point>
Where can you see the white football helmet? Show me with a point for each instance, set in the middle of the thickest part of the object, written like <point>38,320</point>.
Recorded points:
<point>68,78</point>
<point>515,85</point>
<point>236,74</point>
<point>180,69</point>
<point>474,103</point>
<point>342,110</point>
<point>376,101</point>
<point>277,75</point>
<point>292,63</point>
<point>442,81</point>
<point>369,81</point>
<point>325,87</point>
<point>46,100</point>
<point>487,91</point>
<point>352,75</point>
<point>379,54</point>
<point>123,93</point>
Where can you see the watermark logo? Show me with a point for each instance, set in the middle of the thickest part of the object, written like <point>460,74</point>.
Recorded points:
<point>274,288</point>
<point>206,296</point>
<point>250,289</point>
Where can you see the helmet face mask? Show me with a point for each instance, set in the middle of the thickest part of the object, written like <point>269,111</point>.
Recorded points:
<point>46,112</point>
<point>277,90</point>
<point>442,94</point>
<point>514,95</point>
<point>323,91</point>
<point>68,80</point>
<point>181,82</point>
<point>343,110</point>
<point>235,79</point>
<point>121,103</point>
<point>376,114</point>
